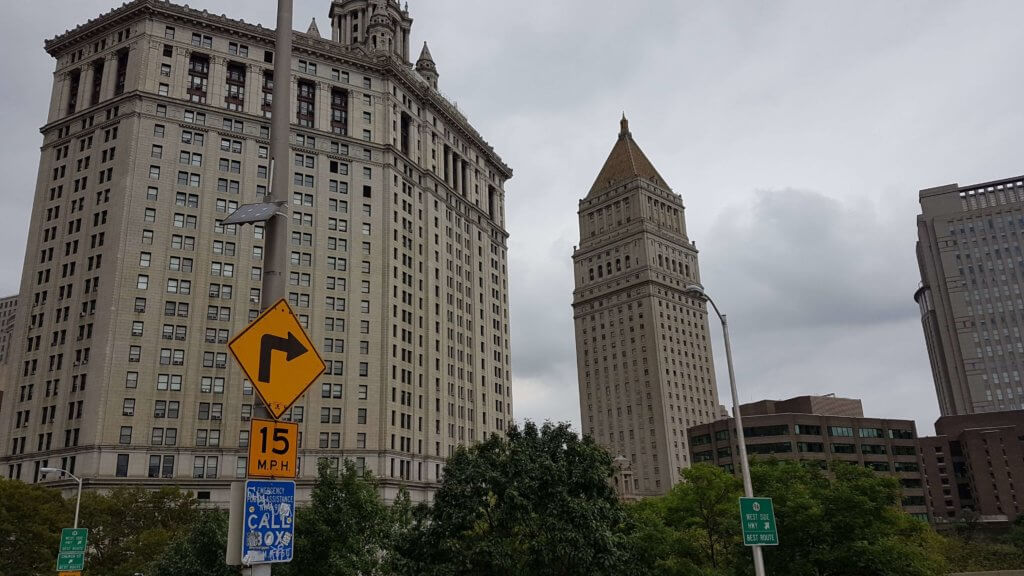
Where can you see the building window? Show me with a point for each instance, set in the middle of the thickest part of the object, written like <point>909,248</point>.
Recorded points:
<point>306,104</point>
<point>204,467</point>
<point>198,78</point>
<point>201,40</point>
<point>843,431</point>
<point>268,94</point>
<point>121,471</point>
<point>339,111</point>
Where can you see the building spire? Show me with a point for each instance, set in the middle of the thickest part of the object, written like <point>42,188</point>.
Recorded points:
<point>625,162</point>
<point>426,67</point>
<point>425,54</point>
<point>313,30</point>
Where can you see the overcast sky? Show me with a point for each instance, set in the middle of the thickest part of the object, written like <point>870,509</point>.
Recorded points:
<point>797,132</point>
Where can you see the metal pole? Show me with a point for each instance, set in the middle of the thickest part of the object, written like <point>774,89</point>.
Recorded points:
<point>748,487</point>
<point>276,237</point>
<point>78,501</point>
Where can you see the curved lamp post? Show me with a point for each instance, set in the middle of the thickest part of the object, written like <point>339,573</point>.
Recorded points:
<point>697,291</point>
<point>78,501</point>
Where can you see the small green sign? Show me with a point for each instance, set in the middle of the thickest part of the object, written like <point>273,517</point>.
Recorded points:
<point>70,561</point>
<point>757,517</point>
<point>73,542</point>
<point>73,539</point>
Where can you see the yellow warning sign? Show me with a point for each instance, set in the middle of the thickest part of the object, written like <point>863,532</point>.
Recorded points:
<point>278,357</point>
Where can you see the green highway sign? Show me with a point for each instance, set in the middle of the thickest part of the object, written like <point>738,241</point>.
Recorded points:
<point>73,542</point>
<point>73,539</point>
<point>70,561</point>
<point>757,517</point>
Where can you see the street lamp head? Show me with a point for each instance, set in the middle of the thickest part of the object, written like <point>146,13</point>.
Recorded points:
<point>46,470</point>
<point>694,288</point>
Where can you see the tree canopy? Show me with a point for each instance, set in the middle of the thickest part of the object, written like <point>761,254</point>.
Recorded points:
<point>537,501</point>
<point>844,523</point>
<point>31,518</point>
<point>346,530</point>
<point>534,502</point>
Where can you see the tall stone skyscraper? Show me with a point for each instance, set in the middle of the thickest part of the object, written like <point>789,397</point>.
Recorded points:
<point>642,352</point>
<point>969,251</point>
<point>8,308</point>
<point>157,130</point>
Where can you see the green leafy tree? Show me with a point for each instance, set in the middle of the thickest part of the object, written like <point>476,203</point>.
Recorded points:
<point>535,502</point>
<point>1015,537</point>
<point>981,554</point>
<point>199,551</point>
<point>844,524</point>
<point>31,518</point>
<point>346,530</point>
<point>661,550</point>
<point>129,528</point>
<point>705,506</point>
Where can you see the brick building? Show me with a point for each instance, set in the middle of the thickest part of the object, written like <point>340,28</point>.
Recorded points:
<point>975,463</point>
<point>819,430</point>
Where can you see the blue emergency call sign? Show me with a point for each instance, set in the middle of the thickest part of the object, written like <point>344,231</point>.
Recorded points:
<point>269,531</point>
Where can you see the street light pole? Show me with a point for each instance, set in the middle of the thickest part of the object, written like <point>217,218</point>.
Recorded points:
<point>78,501</point>
<point>275,266</point>
<point>748,487</point>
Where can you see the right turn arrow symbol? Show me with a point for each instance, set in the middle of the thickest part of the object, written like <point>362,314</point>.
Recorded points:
<point>268,343</point>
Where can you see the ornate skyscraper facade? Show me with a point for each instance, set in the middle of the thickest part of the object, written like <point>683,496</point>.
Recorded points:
<point>132,285</point>
<point>643,357</point>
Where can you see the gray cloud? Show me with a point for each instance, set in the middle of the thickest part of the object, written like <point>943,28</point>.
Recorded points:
<point>797,132</point>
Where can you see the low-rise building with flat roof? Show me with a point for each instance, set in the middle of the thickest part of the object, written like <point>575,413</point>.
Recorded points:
<point>819,430</point>
<point>973,468</point>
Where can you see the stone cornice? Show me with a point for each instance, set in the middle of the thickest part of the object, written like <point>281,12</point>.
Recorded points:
<point>415,83</point>
<point>303,43</point>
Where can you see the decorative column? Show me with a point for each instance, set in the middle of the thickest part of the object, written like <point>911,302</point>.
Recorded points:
<point>136,65</point>
<point>109,76</point>
<point>447,166</point>
<point>216,80</point>
<point>84,87</point>
<point>253,90</point>
<point>58,97</point>
<point>179,73</point>
<point>322,121</point>
<point>293,106</point>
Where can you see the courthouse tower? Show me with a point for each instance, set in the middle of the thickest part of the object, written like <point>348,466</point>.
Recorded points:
<point>159,128</point>
<point>642,353</point>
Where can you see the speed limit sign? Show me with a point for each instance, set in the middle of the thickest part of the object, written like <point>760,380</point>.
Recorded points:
<point>273,447</point>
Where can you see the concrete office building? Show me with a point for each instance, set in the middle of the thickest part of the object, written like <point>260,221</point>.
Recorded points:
<point>821,430</point>
<point>974,467</point>
<point>8,308</point>
<point>159,128</point>
<point>969,250</point>
<point>642,352</point>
